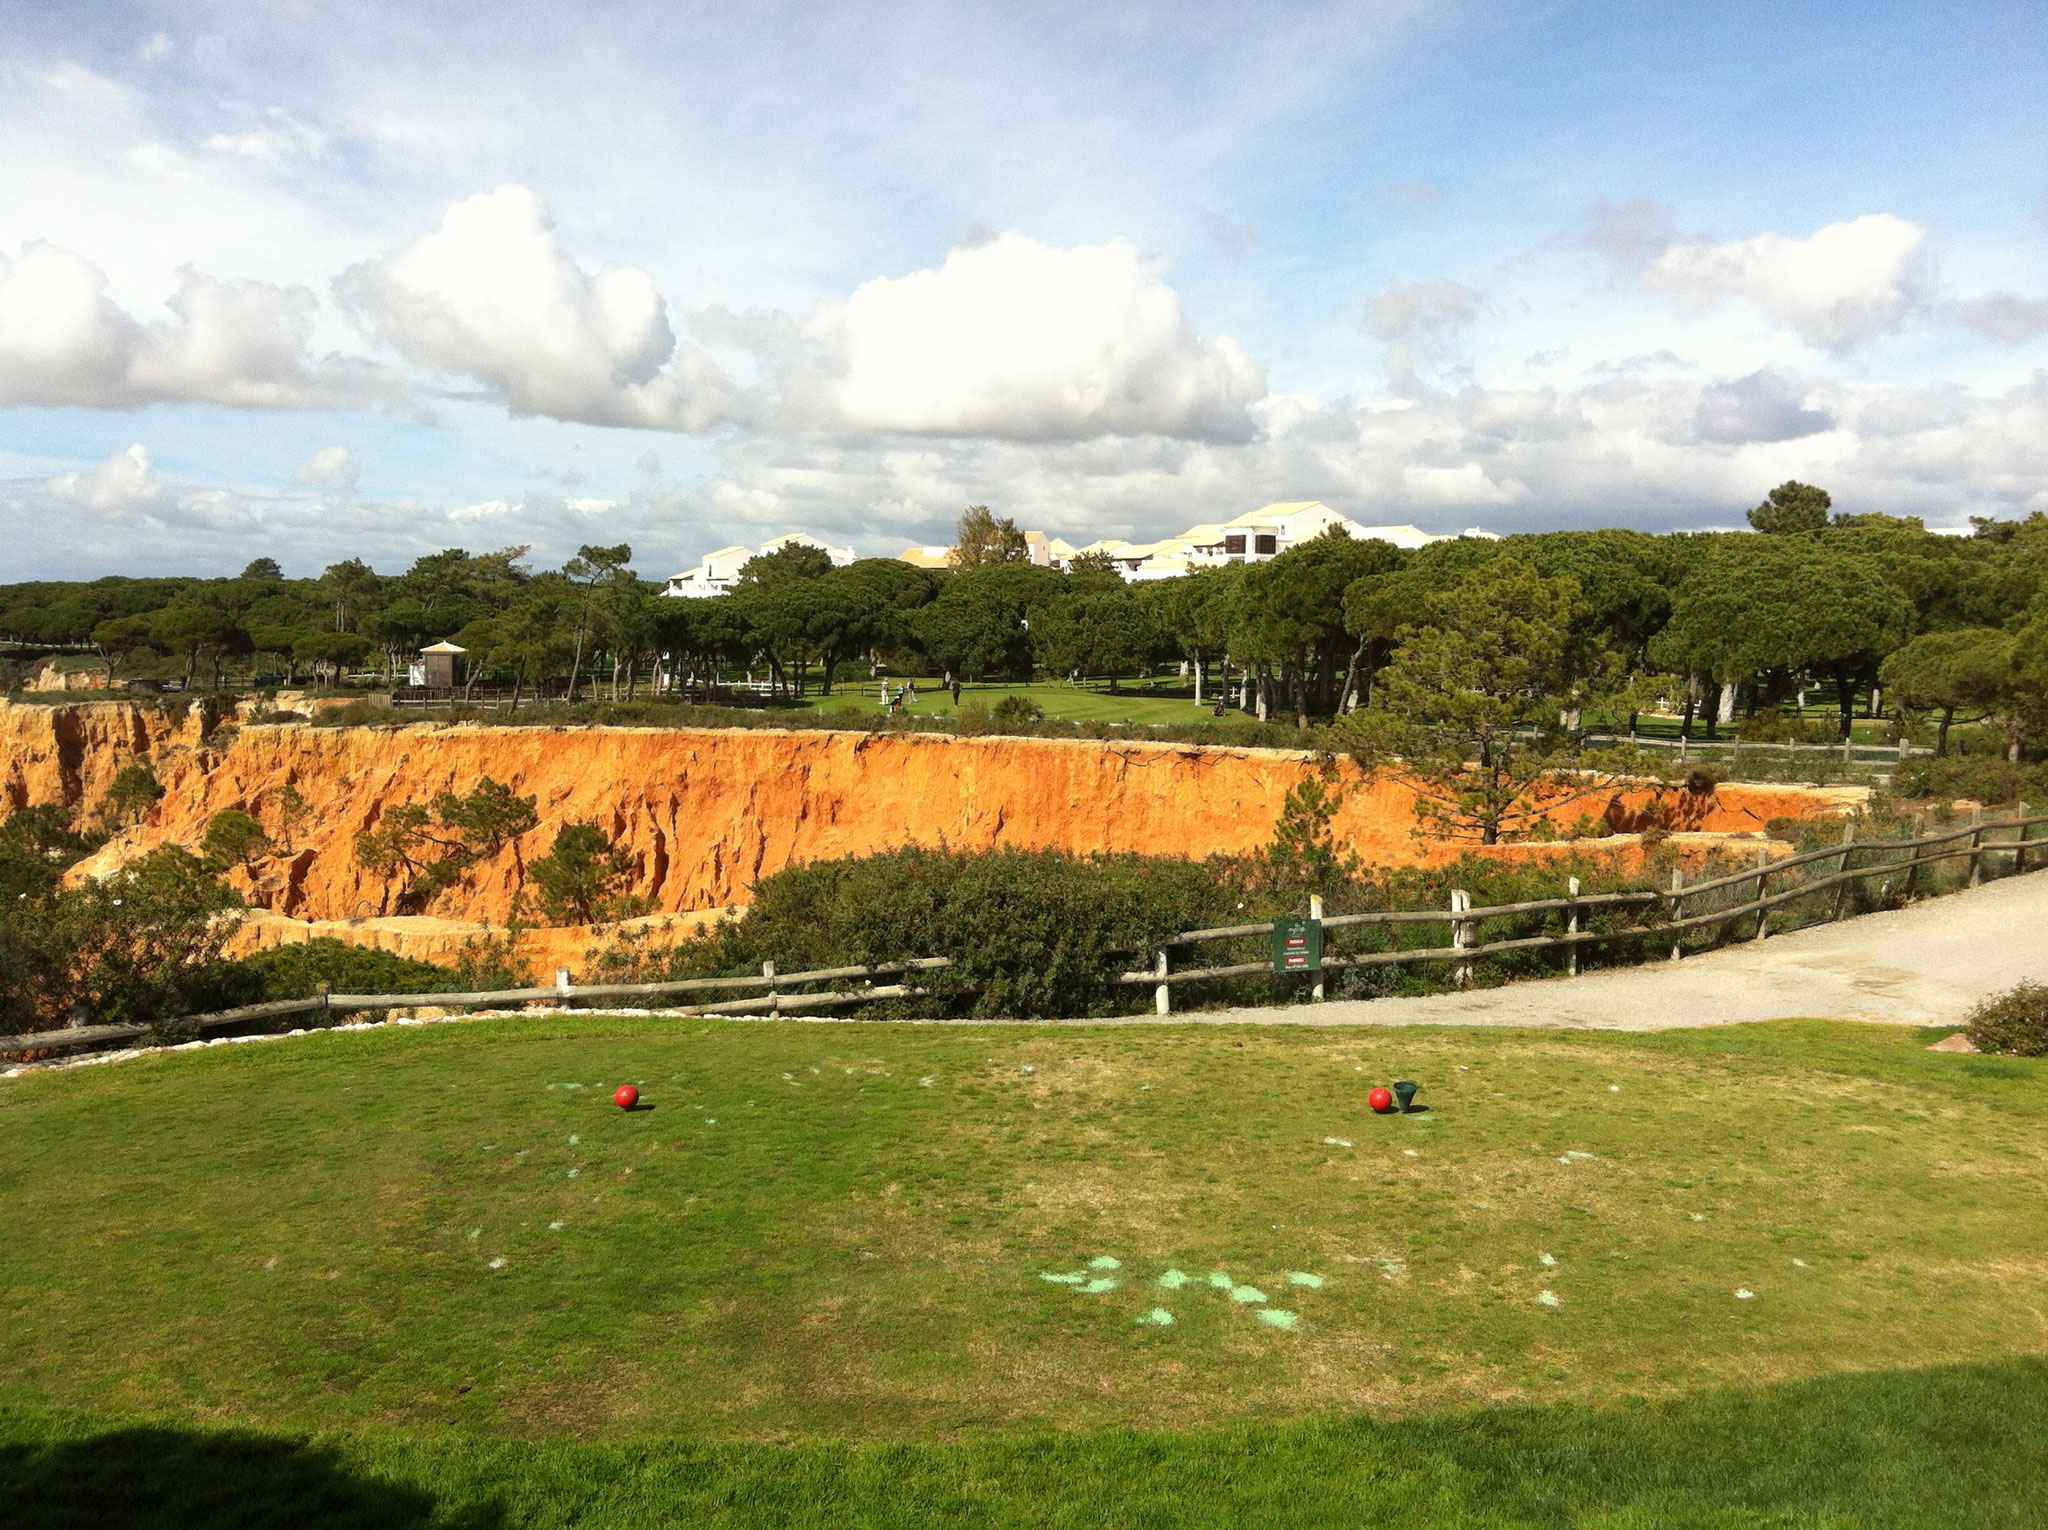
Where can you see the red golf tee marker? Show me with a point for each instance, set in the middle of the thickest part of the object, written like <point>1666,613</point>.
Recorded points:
<point>626,1096</point>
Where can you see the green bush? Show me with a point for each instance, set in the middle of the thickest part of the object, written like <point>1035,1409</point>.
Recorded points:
<point>1015,708</point>
<point>1980,778</point>
<point>2015,1022</point>
<point>1031,933</point>
<point>297,971</point>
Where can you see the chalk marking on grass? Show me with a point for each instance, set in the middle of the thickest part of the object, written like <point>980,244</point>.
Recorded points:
<point>1105,1262</point>
<point>1073,1279</point>
<point>1096,1287</point>
<point>1549,1259</point>
<point>1221,1281</point>
<point>1743,1293</point>
<point>498,1263</point>
<point>1247,1294</point>
<point>1548,1298</point>
<point>1173,1280</point>
<point>1275,1317</point>
<point>1303,1278</point>
<point>1158,1317</point>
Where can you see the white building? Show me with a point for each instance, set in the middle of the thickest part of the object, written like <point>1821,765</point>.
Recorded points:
<point>719,572</point>
<point>1255,537</point>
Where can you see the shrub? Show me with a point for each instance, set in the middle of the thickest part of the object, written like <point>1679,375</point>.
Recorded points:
<point>135,791</point>
<point>2015,1022</point>
<point>1014,708</point>
<point>1031,933</point>
<point>585,878</point>
<point>1980,778</point>
<point>297,971</point>
<point>233,838</point>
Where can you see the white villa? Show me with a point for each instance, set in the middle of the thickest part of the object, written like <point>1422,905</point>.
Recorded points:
<point>719,572</point>
<point>1255,537</point>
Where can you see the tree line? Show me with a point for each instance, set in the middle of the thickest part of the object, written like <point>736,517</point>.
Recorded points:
<point>1864,606</point>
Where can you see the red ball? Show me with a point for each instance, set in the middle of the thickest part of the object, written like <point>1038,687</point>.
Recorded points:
<point>626,1096</point>
<point>1381,1100</point>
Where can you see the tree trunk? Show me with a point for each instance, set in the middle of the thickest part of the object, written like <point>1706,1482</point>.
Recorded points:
<point>1351,676</point>
<point>1199,666</point>
<point>1948,715</point>
<point>1265,688</point>
<point>1301,694</point>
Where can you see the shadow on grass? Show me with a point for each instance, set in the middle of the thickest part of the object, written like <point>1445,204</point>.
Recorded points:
<point>1955,1445</point>
<point>156,1478</point>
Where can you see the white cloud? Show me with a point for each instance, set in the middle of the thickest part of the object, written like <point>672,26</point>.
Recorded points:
<point>1843,285</point>
<point>1416,320</point>
<point>332,465</point>
<point>1764,406</point>
<point>492,295</point>
<point>242,344</point>
<point>2005,316</point>
<point>124,482</point>
<point>1015,339</point>
<point>1467,484</point>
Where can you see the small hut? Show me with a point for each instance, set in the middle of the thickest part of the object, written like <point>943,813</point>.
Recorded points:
<point>441,667</point>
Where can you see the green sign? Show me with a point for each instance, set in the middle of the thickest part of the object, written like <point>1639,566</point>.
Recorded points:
<point>1297,945</point>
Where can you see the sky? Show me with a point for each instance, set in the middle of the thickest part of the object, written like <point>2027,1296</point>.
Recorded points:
<point>318,281</point>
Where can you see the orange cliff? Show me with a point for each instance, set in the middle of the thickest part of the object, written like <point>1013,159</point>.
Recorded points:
<point>706,813</point>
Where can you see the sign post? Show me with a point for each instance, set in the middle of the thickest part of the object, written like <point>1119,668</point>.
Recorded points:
<point>1297,945</point>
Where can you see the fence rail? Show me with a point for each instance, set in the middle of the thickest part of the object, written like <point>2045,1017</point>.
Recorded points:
<point>1908,857</point>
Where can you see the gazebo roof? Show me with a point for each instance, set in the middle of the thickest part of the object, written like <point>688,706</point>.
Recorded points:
<point>444,647</point>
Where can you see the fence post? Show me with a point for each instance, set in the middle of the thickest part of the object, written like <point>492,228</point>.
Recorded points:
<point>1315,912</point>
<point>1976,844</point>
<point>325,991</point>
<point>1677,907</point>
<point>1913,860</point>
<point>1763,883</point>
<point>1162,996</point>
<point>1842,867</point>
<point>774,998</point>
<point>1461,936</point>
<point>2019,856</point>
<point>1735,757</point>
<point>1571,927</point>
<point>562,983</point>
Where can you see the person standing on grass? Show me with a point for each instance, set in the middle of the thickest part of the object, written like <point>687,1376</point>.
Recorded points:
<point>954,684</point>
<point>910,693</point>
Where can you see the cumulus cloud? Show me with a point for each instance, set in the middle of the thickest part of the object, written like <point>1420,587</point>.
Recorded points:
<point>2005,316</point>
<point>492,296</point>
<point>1016,339</point>
<point>333,466</point>
<point>125,481</point>
<point>1764,406</point>
<point>243,344</point>
<point>1838,288</point>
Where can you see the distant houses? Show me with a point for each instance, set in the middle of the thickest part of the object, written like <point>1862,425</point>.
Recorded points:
<point>1254,537</point>
<point>719,572</point>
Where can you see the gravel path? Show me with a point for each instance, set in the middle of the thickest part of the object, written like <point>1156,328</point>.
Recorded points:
<point>1924,965</point>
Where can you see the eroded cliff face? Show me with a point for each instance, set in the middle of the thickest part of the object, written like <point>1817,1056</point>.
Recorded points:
<point>708,812</point>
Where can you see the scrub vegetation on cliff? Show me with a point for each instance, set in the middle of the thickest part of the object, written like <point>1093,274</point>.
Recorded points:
<point>1766,1273</point>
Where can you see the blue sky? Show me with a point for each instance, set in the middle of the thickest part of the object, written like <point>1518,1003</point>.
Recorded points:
<point>478,275</point>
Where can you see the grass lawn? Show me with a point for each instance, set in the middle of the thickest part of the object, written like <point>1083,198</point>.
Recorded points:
<point>807,1286</point>
<point>1163,699</point>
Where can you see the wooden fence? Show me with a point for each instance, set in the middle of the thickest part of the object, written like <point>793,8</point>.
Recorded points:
<point>1896,861</point>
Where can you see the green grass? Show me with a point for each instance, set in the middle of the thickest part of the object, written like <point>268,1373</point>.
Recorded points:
<point>817,1299</point>
<point>1163,699</point>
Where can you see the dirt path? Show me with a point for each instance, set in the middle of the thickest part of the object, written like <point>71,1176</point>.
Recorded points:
<point>1924,965</point>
